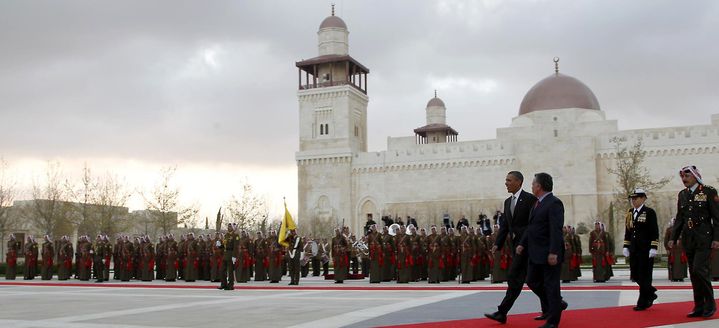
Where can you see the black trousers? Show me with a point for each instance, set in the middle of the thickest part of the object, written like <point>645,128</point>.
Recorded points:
<point>543,279</point>
<point>315,267</point>
<point>99,268</point>
<point>294,268</point>
<point>228,274</point>
<point>641,267</point>
<point>699,267</point>
<point>516,276</point>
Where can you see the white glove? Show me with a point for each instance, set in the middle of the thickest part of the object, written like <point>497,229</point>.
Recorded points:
<point>625,251</point>
<point>652,253</point>
<point>234,260</point>
<point>91,252</point>
<point>218,243</point>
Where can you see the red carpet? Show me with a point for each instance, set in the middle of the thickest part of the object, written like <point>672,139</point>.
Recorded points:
<point>621,316</point>
<point>283,285</point>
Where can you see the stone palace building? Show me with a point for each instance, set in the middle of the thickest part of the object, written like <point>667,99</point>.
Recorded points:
<point>559,129</point>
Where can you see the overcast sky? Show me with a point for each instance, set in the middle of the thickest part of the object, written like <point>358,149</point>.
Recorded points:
<point>210,86</point>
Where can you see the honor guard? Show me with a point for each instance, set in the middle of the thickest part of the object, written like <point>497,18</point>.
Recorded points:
<point>641,240</point>
<point>697,223</point>
<point>229,245</point>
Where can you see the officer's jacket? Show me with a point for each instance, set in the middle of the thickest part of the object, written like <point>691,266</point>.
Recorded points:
<point>642,231</point>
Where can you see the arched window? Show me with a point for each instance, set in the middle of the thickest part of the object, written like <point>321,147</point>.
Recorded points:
<point>322,129</point>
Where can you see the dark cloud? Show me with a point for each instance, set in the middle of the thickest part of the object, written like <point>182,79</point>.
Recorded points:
<point>215,80</point>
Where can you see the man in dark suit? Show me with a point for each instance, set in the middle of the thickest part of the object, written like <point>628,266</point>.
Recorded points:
<point>513,223</point>
<point>544,243</point>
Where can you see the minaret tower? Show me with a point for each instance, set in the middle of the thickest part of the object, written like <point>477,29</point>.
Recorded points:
<point>333,125</point>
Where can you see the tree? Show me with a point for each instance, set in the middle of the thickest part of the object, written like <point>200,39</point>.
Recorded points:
<point>7,195</point>
<point>249,210</point>
<point>49,210</point>
<point>163,203</point>
<point>630,173</point>
<point>83,216</point>
<point>110,199</point>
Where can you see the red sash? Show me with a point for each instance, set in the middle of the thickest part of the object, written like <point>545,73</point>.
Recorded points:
<point>504,262</point>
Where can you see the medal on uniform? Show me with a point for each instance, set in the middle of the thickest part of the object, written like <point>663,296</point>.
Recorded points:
<point>642,218</point>
<point>702,197</point>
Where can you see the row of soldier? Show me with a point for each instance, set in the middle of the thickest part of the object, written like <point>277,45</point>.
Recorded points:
<point>394,253</point>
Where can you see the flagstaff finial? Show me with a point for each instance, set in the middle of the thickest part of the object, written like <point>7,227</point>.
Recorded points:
<point>556,65</point>
<point>333,9</point>
<point>435,93</point>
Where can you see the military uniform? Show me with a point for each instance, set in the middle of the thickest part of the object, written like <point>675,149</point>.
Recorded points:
<point>697,222</point>
<point>677,261</point>
<point>275,258</point>
<point>598,249</point>
<point>192,260</point>
<point>244,261</point>
<point>293,258</point>
<point>566,274</point>
<point>404,258</point>
<point>48,253</point>
<point>467,255</point>
<point>229,245</point>
<point>261,258</point>
<point>160,259</point>
<point>435,263</point>
<point>376,256</point>
<point>148,261</point>
<point>128,260</point>
<point>171,260</point>
<point>340,258</point>
<point>577,261</point>
<point>13,248</point>
<point>502,259</point>
<point>65,260</point>
<point>31,253</point>
<point>85,266</point>
<point>98,251</point>
<point>388,256</point>
<point>641,238</point>
<point>216,259</point>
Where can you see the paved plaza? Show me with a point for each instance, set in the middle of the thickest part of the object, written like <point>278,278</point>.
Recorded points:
<point>315,303</point>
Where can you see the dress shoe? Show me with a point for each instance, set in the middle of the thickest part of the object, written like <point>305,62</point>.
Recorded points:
<point>651,301</point>
<point>639,308</point>
<point>543,316</point>
<point>564,305</point>
<point>695,314</point>
<point>709,313</point>
<point>497,316</point>
<point>548,325</point>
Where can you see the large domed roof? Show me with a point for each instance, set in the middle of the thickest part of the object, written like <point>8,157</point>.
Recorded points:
<point>558,91</point>
<point>435,102</point>
<point>333,21</point>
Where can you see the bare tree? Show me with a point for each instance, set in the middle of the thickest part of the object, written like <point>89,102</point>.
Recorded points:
<point>630,173</point>
<point>49,211</point>
<point>110,199</point>
<point>249,210</point>
<point>163,203</point>
<point>84,217</point>
<point>7,195</point>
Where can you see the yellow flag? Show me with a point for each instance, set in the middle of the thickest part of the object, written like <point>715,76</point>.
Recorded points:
<point>287,224</point>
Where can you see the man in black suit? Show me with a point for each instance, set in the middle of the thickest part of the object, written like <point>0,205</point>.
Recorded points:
<point>544,243</point>
<point>513,224</point>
